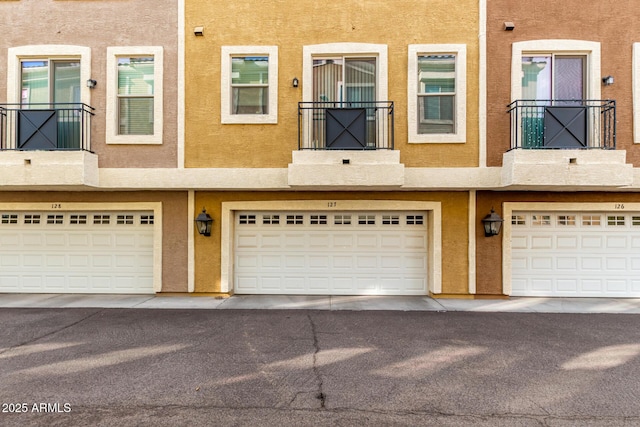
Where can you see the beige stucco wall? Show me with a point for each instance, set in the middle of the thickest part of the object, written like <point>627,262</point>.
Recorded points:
<point>290,25</point>
<point>454,242</point>
<point>174,223</point>
<point>97,25</point>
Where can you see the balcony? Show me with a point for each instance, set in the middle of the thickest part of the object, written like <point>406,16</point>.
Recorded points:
<point>44,146</point>
<point>563,124</point>
<point>48,126</point>
<point>362,125</point>
<point>564,145</point>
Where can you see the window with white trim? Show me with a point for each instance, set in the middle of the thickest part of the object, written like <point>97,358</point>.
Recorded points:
<point>561,60</point>
<point>249,85</point>
<point>437,93</point>
<point>134,95</point>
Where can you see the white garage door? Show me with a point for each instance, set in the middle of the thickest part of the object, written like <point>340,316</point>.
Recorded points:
<point>76,252</point>
<point>331,253</point>
<point>576,254</point>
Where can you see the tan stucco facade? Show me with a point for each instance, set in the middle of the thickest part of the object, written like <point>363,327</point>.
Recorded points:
<point>209,143</point>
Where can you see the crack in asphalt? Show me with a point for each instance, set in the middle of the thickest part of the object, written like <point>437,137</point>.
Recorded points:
<point>321,396</point>
<point>52,332</point>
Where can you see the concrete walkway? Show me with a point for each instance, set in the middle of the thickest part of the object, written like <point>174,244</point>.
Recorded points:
<point>356,303</point>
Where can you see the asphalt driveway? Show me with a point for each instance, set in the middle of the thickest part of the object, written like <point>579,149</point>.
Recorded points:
<point>306,367</point>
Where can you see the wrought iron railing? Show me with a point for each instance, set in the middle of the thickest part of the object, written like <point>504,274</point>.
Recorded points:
<point>45,126</point>
<point>563,124</point>
<point>345,125</point>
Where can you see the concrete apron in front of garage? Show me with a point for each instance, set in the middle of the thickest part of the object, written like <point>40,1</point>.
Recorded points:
<point>304,302</point>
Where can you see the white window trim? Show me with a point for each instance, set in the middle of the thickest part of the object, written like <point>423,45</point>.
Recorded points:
<point>347,49</point>
<point>112,136</point>
<point>589,48</point>
<point>460,134</point>
<point>16,54</point>
<point>636,93</point>
<point>225,85</point>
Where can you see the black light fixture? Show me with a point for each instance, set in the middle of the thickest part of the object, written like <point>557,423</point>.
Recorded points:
<point>295,82</point>
<point>492,224</point>
<point>607,81</point>
<point>91,83</point>
<point>203,223</point>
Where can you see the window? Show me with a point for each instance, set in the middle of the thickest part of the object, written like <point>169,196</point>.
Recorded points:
<point>48,73</point>
<point>346,66</point>
<point>134,94</point>
<point>437,93</point>
<point>550,76</point>
<point>339,75</point>
<point>555,69</point>
<point>249,84</point>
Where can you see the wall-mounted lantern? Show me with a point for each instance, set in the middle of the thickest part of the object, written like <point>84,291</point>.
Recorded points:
<point>607,81</point>
<point>492,224</point>
<point>203,223</point>
<point>91,83</point>
<point>295,82</point>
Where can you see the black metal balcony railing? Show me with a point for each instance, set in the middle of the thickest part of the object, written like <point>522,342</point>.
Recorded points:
<point>345,125</point>
<point>563,124</point>
<point>45,126</point>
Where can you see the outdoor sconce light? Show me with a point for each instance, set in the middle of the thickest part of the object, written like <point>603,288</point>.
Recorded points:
<point>607,81</point>
<point>492,224</point>
<point>198,31</point>
<point>203,223</point>
<point>295,82</point>
<point>91,83</point>
<point>509,26</point>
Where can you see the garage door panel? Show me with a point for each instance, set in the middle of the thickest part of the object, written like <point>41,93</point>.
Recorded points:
<point>616,264</point>
<point>541,263</point>
<point>591,257</point>
<point>589,242</point>
<point>567,285</point>
<point>542,242</point>
<point>341,253</point>
<point>76,239</point>
<point>568,242</point>
<point>616,242</point>
<point>567,263</point>
<point>54,261</point>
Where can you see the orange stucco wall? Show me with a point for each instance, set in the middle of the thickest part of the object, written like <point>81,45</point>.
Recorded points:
<point>612,24</point>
